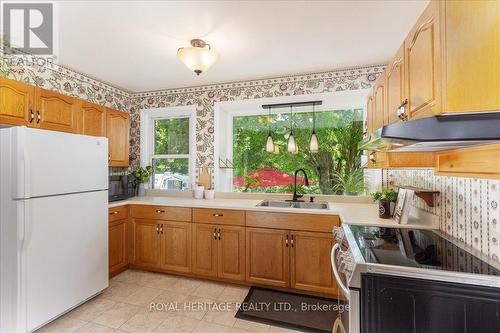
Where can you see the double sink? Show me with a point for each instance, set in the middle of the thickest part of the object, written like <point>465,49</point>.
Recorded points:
<point>293,204</point>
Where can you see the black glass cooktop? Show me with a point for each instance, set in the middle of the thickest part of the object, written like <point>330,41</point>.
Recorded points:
<point>416,248</point>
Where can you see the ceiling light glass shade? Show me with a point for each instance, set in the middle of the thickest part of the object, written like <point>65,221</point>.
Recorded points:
<point>276,149</point>
<point>199,57</point>
<point>313,143</point>
<point>270,144</point>
<point>291,146</point>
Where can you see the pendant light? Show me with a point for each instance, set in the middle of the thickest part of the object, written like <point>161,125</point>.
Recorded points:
<point>313,142</point>
<point>269,142</point>
<point>291,146</point>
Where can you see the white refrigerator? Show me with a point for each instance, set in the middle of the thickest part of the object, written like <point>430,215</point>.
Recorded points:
<point>53,224</point>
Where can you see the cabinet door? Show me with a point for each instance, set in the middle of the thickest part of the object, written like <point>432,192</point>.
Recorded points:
<point>309,253</point>
<point>370,109</point>
<point>379,103</point>
<point>117,131</point>
<point>117,246</point>
<point>205,249</point>
<point>56,112</point>
<point>395,86</point>
<point>472,55</point>
<point>175,246</point>
<point>93,119</point>
<point>147,243</point>
<point>267,256</point>
<point>16,103</point>
<point>423,65</point>
<point>231,252</point>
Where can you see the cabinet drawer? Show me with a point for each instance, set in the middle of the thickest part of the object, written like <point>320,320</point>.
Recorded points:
<point>219,216</point>
<point>117,213</point>
<point>161,213</point>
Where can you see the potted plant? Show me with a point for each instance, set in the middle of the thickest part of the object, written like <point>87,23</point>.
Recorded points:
<point>386,202</point>
<point>142,176</point>
<point>351,183</point>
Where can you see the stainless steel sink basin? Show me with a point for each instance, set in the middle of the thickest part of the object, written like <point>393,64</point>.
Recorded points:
<point>291,204</point>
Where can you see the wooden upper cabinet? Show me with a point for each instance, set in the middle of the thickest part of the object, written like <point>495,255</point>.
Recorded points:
<point>175,246</point>
<point>16,103</point>
<point>309,252</point>
<point>267,256</point>
<point>370,109</point>
<point>93,119</point>
<point>205,249</point>
<point>117,131</point>
<point>395,93</point>
<point>231,252</point>
<point>471,51</point>
<point>56,112</point>
<point>147,243</point>
<point>379,105</point>
<point>423,64</point>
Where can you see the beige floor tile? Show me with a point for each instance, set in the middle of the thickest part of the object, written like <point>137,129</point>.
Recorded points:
<point>118,315</point>
<point>209,289</point>
<point>195,307</point>
<point>168,302</point>
<point>142,296</point>
<point>92,309</point>
<point>94,328</point>
<point>205,327</point>
<point>163,281</point>
<point>177,324</point>
<point>144,322</point>
<point>233,294</point>
<point>136,277</point>
<point>186,285</point>
<point>251,326</point>
<point>62,325</point>
<point>119,291</point>
<point>221,317</point>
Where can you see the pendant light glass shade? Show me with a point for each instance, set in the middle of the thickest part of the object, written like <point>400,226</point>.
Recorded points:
<point>199,57</point>
<point>270,141</point>
<point>313,142</point>
<point>291,145</point>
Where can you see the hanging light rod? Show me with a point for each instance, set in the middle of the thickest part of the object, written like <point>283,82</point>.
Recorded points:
<point>287,105</point>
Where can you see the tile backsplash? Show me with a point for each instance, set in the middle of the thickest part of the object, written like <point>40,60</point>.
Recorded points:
<point>467,207</point>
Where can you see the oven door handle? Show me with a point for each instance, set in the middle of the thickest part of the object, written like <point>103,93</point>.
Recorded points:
<point>341,284</point>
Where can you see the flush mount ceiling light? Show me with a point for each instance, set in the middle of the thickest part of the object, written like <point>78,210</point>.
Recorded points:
<point>199,57</point>
<point>269,142</point>
<point>313,142</point>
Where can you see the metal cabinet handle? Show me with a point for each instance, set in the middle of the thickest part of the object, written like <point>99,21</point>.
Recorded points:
<point>159,211</point>
<point>215,233</point>
<point>217,215</point>
<point>291,241</point>
<point>218,234</point>
<point>114,213</point>
<point>372,157</point>
<point>157,228</point>
<point>401,111</point>
<point>38,117</point>
<point>161,229</point>
<point>286,241</point>
<point>32,116</point>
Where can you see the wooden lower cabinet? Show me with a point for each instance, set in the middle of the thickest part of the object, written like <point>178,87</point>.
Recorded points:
<point>147,243</point>
<point>310,255</point>
<point>117,246</point>
<point>267,258</point>
<point>219,251</point>
<point>175,246</point>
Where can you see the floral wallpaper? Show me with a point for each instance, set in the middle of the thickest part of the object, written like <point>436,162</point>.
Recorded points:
<point>467,207</point>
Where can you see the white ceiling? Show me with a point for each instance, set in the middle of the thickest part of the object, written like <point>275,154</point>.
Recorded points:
<point>133,44</point>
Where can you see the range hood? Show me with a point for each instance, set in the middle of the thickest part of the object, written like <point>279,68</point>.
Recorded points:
<point>436,133</point>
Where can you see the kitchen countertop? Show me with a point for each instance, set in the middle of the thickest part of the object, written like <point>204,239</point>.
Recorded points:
<point>352,213</point>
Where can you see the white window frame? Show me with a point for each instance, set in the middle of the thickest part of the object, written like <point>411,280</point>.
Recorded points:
<point>148,118</point>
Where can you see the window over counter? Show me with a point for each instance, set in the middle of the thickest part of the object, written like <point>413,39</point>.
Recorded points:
<point>168,144</point>
<point>244,165</point>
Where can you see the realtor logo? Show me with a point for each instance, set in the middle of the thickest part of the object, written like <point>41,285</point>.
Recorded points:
<point>28,28</point>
